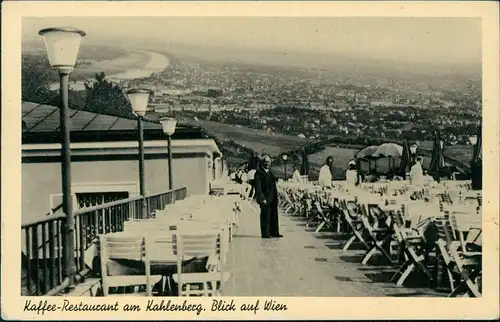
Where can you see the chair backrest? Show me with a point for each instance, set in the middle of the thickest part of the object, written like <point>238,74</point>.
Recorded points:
<point>439,225</point>
<point>123,247</point>
<point>196,244</point>
<point>352,209</point>
<point>456,228</point>
<point>449,232</point>
<point>397,225</point>
<point>203,244</point>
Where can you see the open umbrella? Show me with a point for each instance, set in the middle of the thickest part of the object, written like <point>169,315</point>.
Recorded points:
<point>388,150</point>
<point>437,158</point>
<point>366,152</point>
<point>404,164</point>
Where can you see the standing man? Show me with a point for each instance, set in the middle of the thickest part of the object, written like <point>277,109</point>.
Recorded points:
<point>416,173</point>
<point>267,198</point>
<point>325,175</point>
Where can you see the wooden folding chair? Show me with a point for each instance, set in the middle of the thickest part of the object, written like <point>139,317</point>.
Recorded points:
<point>380,236</point>
<point>442,244</point>
<point>204,244</point>
<point>287,203</point>
<point>352,217</point>
<point>125,248</point>
<point>467,262</point>
<point>324,215</point>
<point>338,215</point>
<point>412,246</point>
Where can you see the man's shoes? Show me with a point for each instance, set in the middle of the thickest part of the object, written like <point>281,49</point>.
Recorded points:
<point>266,237</point>
<point>279,236</point>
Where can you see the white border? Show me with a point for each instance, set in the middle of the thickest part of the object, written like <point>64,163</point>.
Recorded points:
<point>299,308</point>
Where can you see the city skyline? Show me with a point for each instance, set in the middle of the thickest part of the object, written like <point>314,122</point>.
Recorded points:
<point>428,41</point>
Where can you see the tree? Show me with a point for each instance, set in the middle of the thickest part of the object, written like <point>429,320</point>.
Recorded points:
<point>35,80</point>
<point>104,97</point>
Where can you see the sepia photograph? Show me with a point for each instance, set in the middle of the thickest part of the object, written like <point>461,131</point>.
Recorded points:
<point>250,156</point>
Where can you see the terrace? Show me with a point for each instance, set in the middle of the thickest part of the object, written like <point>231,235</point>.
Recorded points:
<point>105,185</point>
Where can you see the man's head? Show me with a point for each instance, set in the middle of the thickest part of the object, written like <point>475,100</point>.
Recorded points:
<point>295,168</point>
<point>266,161</point>
<point>420,160</point>
<point>329,161</point>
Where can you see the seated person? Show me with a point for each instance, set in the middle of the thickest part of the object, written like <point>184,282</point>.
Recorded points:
<point>427,177</point>
<point>372,177</point>
<point>390,175</point>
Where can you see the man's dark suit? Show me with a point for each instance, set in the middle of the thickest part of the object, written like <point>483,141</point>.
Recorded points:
<point>267,197</point>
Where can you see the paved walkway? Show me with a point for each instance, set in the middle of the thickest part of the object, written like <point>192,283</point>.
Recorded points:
<point>303,263</point>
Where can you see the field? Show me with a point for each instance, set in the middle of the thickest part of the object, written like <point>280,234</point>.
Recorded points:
<point>275,144</point>
<point>259,140</point>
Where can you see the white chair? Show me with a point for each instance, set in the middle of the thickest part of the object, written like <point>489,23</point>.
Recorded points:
<point>203,244</point>
<point>128,248</point>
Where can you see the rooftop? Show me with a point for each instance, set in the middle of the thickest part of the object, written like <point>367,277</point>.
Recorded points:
<point>40,124</point>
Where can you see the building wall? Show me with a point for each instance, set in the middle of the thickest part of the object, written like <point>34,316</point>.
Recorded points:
<point>41,180</point>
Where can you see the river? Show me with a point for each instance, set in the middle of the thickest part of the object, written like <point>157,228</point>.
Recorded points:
<point>156,63</point>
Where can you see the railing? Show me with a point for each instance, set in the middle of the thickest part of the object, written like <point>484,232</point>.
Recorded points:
<point>43,260</point>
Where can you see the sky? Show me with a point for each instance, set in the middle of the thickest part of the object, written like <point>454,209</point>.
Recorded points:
<point>425,40</point>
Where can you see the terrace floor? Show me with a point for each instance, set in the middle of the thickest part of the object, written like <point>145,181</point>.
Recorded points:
<point>305,263</point>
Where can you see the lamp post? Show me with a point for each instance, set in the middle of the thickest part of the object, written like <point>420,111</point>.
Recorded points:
<point>473,142</point>
<point>169,124</point>
<point>139,101</point>
<point>475,165</point>
<point>62,46</point>
<point>285,158</point>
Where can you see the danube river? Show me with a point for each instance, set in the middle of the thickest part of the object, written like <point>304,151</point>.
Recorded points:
<point>143,64</point>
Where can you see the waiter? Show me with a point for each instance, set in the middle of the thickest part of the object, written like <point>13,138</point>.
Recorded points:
<point>267,198</point>
<point>325,175</point>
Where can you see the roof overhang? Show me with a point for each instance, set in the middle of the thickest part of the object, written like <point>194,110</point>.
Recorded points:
<point>207,146</point>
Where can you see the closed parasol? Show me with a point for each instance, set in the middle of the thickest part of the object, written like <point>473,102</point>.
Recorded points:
<point>404,165</point>
<point>304,169</point>
<point>437,159</point>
